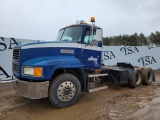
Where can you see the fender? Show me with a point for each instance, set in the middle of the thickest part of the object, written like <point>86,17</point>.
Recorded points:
<point>50,64</point>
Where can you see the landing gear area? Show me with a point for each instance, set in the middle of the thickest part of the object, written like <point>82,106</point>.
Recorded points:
<point>123,74</point>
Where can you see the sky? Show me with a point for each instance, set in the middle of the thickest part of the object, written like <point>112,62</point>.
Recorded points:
<point>42,19</point>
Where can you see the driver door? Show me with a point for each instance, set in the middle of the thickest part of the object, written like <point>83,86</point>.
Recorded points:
<point>91,51</point>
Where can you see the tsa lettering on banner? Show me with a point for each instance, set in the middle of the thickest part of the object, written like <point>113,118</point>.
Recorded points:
<point>147,60</point>
<point>129,50</point>
<point>108,55</point>
<point>12,43</point>
<point>3,73</point>
<point>3,46</point>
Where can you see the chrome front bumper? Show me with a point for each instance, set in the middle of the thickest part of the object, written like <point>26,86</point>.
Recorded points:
<point>32,90</point>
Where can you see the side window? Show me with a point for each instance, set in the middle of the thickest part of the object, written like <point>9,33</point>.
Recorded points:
<point>88,38</point>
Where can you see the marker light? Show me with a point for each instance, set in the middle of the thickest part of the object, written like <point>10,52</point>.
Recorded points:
<point>84,22</point>
<point>92,19</point>
<point>38,71</point>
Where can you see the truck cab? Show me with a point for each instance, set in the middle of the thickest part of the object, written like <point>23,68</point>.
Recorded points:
<point>88,50</point>
<point>77,49</point>
<point>61,69</point>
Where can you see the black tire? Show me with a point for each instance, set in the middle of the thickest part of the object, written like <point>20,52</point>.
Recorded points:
<point>136,80</point>
<point>141,68</point>
<point>147,74</point>
<point>64,90</point>
<point>154,76</point>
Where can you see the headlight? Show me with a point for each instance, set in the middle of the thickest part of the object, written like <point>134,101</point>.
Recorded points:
<point>28,71</point>
<point>33,71</point>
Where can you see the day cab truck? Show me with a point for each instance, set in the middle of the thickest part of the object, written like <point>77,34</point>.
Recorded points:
<point>61,69</point>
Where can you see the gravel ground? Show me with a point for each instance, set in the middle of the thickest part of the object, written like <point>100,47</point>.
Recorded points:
<point>114,103</point>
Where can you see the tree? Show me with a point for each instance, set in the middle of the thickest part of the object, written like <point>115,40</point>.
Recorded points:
<point>152,38</point>
<point>106,41</point>
<point>157,38</point>
<point>143,39</point>
<point>133,40</point>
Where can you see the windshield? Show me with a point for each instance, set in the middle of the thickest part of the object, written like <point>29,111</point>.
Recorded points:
<point>73,34</point>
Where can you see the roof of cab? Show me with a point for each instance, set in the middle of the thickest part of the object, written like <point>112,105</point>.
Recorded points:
<point>89,25</point>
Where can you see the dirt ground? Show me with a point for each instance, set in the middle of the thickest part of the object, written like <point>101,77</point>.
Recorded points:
<point>114,103</point>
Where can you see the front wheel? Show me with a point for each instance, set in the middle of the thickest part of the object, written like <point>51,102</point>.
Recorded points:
<point>64,90</point>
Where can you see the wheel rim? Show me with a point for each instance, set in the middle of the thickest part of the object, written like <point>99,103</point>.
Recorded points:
<point>138,78</point>
<point>66,91</point>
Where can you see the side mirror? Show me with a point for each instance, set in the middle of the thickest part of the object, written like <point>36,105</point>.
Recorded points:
<point>94,43</point>
<point>98,34</point>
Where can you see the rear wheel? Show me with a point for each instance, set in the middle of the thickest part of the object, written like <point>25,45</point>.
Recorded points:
<point>64,90</point>
<point>136,80</point>
<point>147,74</point>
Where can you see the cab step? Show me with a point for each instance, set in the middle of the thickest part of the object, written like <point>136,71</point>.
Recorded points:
<point>98,89</point>
<point>97,75</point>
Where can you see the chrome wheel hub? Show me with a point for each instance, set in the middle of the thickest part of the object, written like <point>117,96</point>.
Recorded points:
<point>66,91</point>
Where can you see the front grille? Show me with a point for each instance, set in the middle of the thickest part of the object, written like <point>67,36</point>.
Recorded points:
<point>15,60</point>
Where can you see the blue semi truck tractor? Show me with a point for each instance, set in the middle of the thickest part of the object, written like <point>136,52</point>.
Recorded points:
<point>72,63</point>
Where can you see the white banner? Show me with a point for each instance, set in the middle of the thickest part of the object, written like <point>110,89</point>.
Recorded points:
<point>6,51</point>
<point>136,55</point>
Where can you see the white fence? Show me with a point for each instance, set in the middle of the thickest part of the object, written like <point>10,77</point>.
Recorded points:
<point>137,56</point>
<point>6,51</point>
